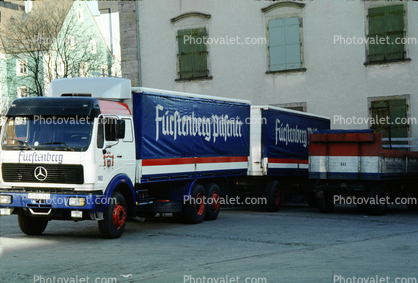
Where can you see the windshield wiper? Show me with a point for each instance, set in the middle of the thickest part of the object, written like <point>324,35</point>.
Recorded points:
<point>24,142</point>
<point>61,143</point>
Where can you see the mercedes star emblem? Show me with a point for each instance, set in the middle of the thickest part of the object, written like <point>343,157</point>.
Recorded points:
<point>40,173</point>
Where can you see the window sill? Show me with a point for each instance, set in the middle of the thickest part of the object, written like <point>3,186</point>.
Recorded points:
<point>286,71</point>
<point>387,62</point>
<point>194,79</point>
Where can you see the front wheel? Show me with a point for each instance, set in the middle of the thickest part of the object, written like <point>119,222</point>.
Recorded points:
<point>113,224</point>
<point>31,225</point>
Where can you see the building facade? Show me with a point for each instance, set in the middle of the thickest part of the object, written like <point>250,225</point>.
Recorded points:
<point>353,61</point>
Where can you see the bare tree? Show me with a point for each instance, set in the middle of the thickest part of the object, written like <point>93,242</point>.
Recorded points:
<point>57,42</point>
<point>30,35</point>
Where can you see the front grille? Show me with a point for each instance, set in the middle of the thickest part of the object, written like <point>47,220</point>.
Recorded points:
<point>56,173</point>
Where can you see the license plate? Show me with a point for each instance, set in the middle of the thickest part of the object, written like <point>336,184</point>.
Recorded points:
<point>39,196</point>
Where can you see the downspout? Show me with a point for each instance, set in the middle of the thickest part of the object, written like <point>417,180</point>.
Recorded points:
<point>138,43</point>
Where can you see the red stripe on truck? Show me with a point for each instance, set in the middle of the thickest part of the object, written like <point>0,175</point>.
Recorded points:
<point>193,160</point>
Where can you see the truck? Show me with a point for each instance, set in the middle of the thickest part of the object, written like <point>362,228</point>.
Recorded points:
<point>352,166</point>
<point>99,149</point>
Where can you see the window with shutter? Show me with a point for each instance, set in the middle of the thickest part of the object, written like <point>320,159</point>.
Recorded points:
<point>386,29</point>
<point>192,53</point>
<point>393,112</point>
<point>284,44</point>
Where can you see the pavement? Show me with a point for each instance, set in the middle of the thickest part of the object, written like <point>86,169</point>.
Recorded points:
<point>245,244</point>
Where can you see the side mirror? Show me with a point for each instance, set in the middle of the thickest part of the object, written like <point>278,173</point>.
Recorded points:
<point>120,129</point>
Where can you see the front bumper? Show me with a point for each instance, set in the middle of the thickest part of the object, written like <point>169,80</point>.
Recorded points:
<point>44,203</point>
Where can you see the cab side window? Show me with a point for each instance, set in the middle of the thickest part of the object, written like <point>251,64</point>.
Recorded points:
<point>110,129</point>
<point>100,134</point>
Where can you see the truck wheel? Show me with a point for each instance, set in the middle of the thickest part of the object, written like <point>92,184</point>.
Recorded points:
<point>363,207</point>
<point>31,225</point>
<point>325,201</point>
<point>213,205</point>
<point>113,224</point>
<point>412,206</point>
<point>311,198</point>
<point>195,209</point>
<point>272,195</point>
<point>378,191</point>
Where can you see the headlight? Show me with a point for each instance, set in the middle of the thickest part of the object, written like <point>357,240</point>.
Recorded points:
<point>76,201</point>
<point>5,199</point>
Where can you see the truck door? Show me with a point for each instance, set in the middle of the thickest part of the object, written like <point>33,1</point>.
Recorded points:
<point>116,149</point>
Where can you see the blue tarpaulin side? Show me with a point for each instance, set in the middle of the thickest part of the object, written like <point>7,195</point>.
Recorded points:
<point>286,134</point>
<point>170,126</point>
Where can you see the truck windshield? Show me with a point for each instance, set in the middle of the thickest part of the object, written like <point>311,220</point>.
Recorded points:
<point>63,133</point>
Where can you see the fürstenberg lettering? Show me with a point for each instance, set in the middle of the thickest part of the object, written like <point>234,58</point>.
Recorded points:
<point>176,125</point>
<point>34,156</point>
<point>284,133</point>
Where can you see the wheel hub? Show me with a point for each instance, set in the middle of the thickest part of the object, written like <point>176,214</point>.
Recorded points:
<point>119,216</point>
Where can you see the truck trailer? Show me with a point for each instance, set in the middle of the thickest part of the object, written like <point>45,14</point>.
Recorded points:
<point>353,166</point>
<point>98,149</point>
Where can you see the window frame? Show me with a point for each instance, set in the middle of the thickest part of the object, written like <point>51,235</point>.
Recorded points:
<point>71,42</point>
<point>405,58</point>
<point>22,90</point>
<point>406,97</point>
<point>283,11</point>
<point>93,46</point>
<point>80,15</point>
<point>22,63</point>
<point>190,21</point>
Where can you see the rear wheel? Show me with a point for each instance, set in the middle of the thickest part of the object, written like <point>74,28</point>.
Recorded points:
<point>377,192</point>
<point>195,209</point>
<point>213,205</point>
<point>325,201</point>
<point>113,224</point>
<point>272,195</point>
<point>31,225</point>
<point>311,198</point>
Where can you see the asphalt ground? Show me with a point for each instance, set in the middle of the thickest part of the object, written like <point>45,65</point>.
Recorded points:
<point>245,244</point>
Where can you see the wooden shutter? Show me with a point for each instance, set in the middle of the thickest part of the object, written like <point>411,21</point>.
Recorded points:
<point>397,109</point>
<point>284,44</point>
<point>386,23</point>
<point>394,109</point>
<point>192,54</point>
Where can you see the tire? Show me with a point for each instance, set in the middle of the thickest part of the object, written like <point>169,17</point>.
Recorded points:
<point>378,191</point>
<point>311,198</point>
<point>325,202</point>
<point>213,198</point>
<point>363,207</point>
<point>115,215</point>
<point>31,225</point>
<point>412,206</point>
<point>272,195</point>
<point>195,209</point>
